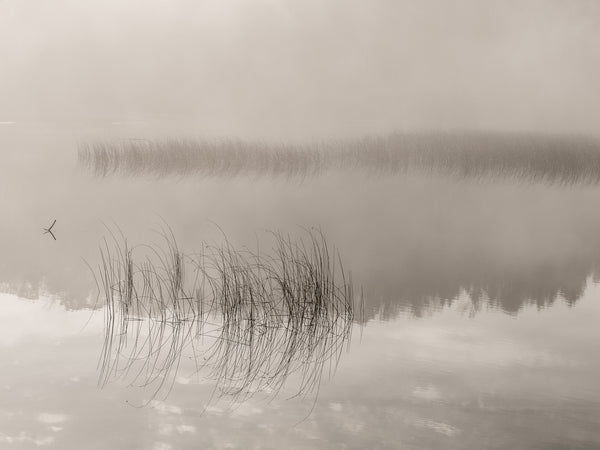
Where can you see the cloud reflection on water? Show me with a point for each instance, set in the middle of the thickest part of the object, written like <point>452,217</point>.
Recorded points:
<point>448,381</point>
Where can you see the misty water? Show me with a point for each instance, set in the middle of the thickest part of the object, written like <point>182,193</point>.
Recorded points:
<point>478,326</point>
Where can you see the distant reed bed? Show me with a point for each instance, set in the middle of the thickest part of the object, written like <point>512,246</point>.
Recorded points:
<point>545,158</point>
<point>266,317</point>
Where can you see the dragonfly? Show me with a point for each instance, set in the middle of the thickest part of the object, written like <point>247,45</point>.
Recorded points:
<point>49,230</point>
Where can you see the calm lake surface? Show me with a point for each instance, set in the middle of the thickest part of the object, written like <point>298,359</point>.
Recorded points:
<point>479,329</point>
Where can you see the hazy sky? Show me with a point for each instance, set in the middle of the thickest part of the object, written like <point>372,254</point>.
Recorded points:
<point>304,68</point>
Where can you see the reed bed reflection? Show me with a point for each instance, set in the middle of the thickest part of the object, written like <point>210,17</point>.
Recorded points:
<point>543,158</point>
<point>247,319</point>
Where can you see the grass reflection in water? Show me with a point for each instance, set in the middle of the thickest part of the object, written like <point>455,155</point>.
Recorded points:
<point>248,319</point>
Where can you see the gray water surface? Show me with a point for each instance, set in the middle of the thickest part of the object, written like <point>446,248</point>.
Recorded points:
<point>480,308</point>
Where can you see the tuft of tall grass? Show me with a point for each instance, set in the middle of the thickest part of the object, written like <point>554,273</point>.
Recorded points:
<point>267,315</point>
<point>532,157</point>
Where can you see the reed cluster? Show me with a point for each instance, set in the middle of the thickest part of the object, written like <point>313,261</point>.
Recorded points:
<point>544,158</point>
<point>265,316</point>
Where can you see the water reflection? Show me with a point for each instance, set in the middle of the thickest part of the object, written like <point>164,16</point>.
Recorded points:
<point>422,290</point>
<point>445,382</point>
<point>552,159</point>
<point>415,241</point>
<point>248,320</point>
<point>461,253</point>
